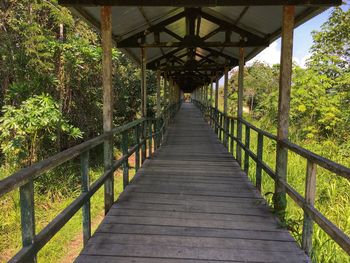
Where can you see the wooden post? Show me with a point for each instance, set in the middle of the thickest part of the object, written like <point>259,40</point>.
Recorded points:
<point>137,152</point>
<point>211,93</point>
<point>232,129</point>
<point>143,104</point>
<point>259,155</point>
<point>85,186</point>
<point>126,163</point>
<point>225,90</point>
<point>158,94</point>
<point>310,192</point>
<point>106,35</point>
<point>144,142</point>
<point>217,93</point>
<point>211,102</point>
<point>165,91</point>
<point>240,105</point>
<point>150,135</point>
<point>143,83</point>
<point>26,195</point>
<point>247,145</point>
<point>280,201</point>
<point>205,95</point>
<point>225,107</point>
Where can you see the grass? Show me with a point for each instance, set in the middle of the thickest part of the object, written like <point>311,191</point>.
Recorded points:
<point>332,196</point>
<point>67,243</point>
<point>332,199</point>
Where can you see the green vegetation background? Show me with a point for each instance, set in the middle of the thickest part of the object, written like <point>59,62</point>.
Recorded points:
<point>51,98</point>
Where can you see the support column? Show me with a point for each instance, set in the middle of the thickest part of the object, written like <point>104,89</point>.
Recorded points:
<point>106,35</point>
<point>205,95</point>
<point>280,201</point>
<point>158,94</point>
<point>211,92</point>
<point>217,93</point>
<point>165,91</point>
<point>240,104</point>
<point>225,107</point>
<point>143,83</point>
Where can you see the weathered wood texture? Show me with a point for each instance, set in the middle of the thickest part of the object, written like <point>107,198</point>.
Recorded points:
<point>191,203</point>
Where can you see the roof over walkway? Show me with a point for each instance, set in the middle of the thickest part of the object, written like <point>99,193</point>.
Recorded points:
<point>194,40</point>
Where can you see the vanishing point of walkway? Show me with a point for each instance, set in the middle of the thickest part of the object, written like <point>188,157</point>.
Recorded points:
<point>191,203</point>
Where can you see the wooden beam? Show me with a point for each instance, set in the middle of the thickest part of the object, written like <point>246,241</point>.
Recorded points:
<point>155,28</point>
<point>186,3</point>
<point>232,27</point>
<point>283,108</point>
<point>106,40</point>
<point>193,42</point>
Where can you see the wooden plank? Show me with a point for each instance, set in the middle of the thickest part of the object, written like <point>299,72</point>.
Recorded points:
<point>195,242</point>
<point>191,202</point>
<point>195,231</point>
<point>193,253</point>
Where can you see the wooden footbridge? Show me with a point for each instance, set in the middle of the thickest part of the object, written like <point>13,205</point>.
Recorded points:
<point>190,200</point>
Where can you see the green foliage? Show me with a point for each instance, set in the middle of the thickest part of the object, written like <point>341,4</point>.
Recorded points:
<point>319,121</point>
<point>23,129</point>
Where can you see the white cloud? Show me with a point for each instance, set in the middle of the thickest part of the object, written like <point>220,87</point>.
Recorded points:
<point>301,61</point>
<point>271,55</point>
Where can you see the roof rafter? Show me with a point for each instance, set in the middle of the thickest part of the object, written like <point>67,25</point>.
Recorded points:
<point>186,3</point>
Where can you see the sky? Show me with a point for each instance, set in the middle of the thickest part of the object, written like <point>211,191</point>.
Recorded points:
<point>301,44</point>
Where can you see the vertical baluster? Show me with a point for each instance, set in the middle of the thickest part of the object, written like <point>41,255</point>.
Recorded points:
<point>143,138</point>
<point>85,186</point>
<point>260,158</point>
<point>247,145</point>
<point>221,128</point>
<point>150,138</point>
<point>239,140</point>
<point>26,194</point>
<point>125,146</point>
<point>155,135</point>
<point>226,131</point>
<point>310,192</point>
<point>216,121</point>
<point>137,152</point>
<point>232,135</point>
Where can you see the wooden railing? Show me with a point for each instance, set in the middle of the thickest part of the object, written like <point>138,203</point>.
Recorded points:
<point>224,127</point>
<point>24,179</point>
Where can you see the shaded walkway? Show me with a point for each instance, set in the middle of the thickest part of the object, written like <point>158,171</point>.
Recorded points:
<point>191,203</point>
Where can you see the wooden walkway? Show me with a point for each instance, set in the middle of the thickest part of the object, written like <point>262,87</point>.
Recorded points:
<point>191,203</point>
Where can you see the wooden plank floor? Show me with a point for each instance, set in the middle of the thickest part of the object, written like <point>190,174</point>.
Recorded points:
<point>191,203</point>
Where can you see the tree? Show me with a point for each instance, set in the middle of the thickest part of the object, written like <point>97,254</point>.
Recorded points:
<point>23,129</point>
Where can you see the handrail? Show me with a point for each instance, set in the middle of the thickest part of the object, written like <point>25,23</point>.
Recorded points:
<point>220,122</point>
<point>32,243</point>
<point>31,172</point>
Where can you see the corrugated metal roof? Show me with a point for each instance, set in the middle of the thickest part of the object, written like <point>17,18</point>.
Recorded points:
<point>261,22</point>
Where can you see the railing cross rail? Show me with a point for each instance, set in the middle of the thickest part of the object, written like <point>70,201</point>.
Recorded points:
<point>24,179</point>
<point>311,214</point>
